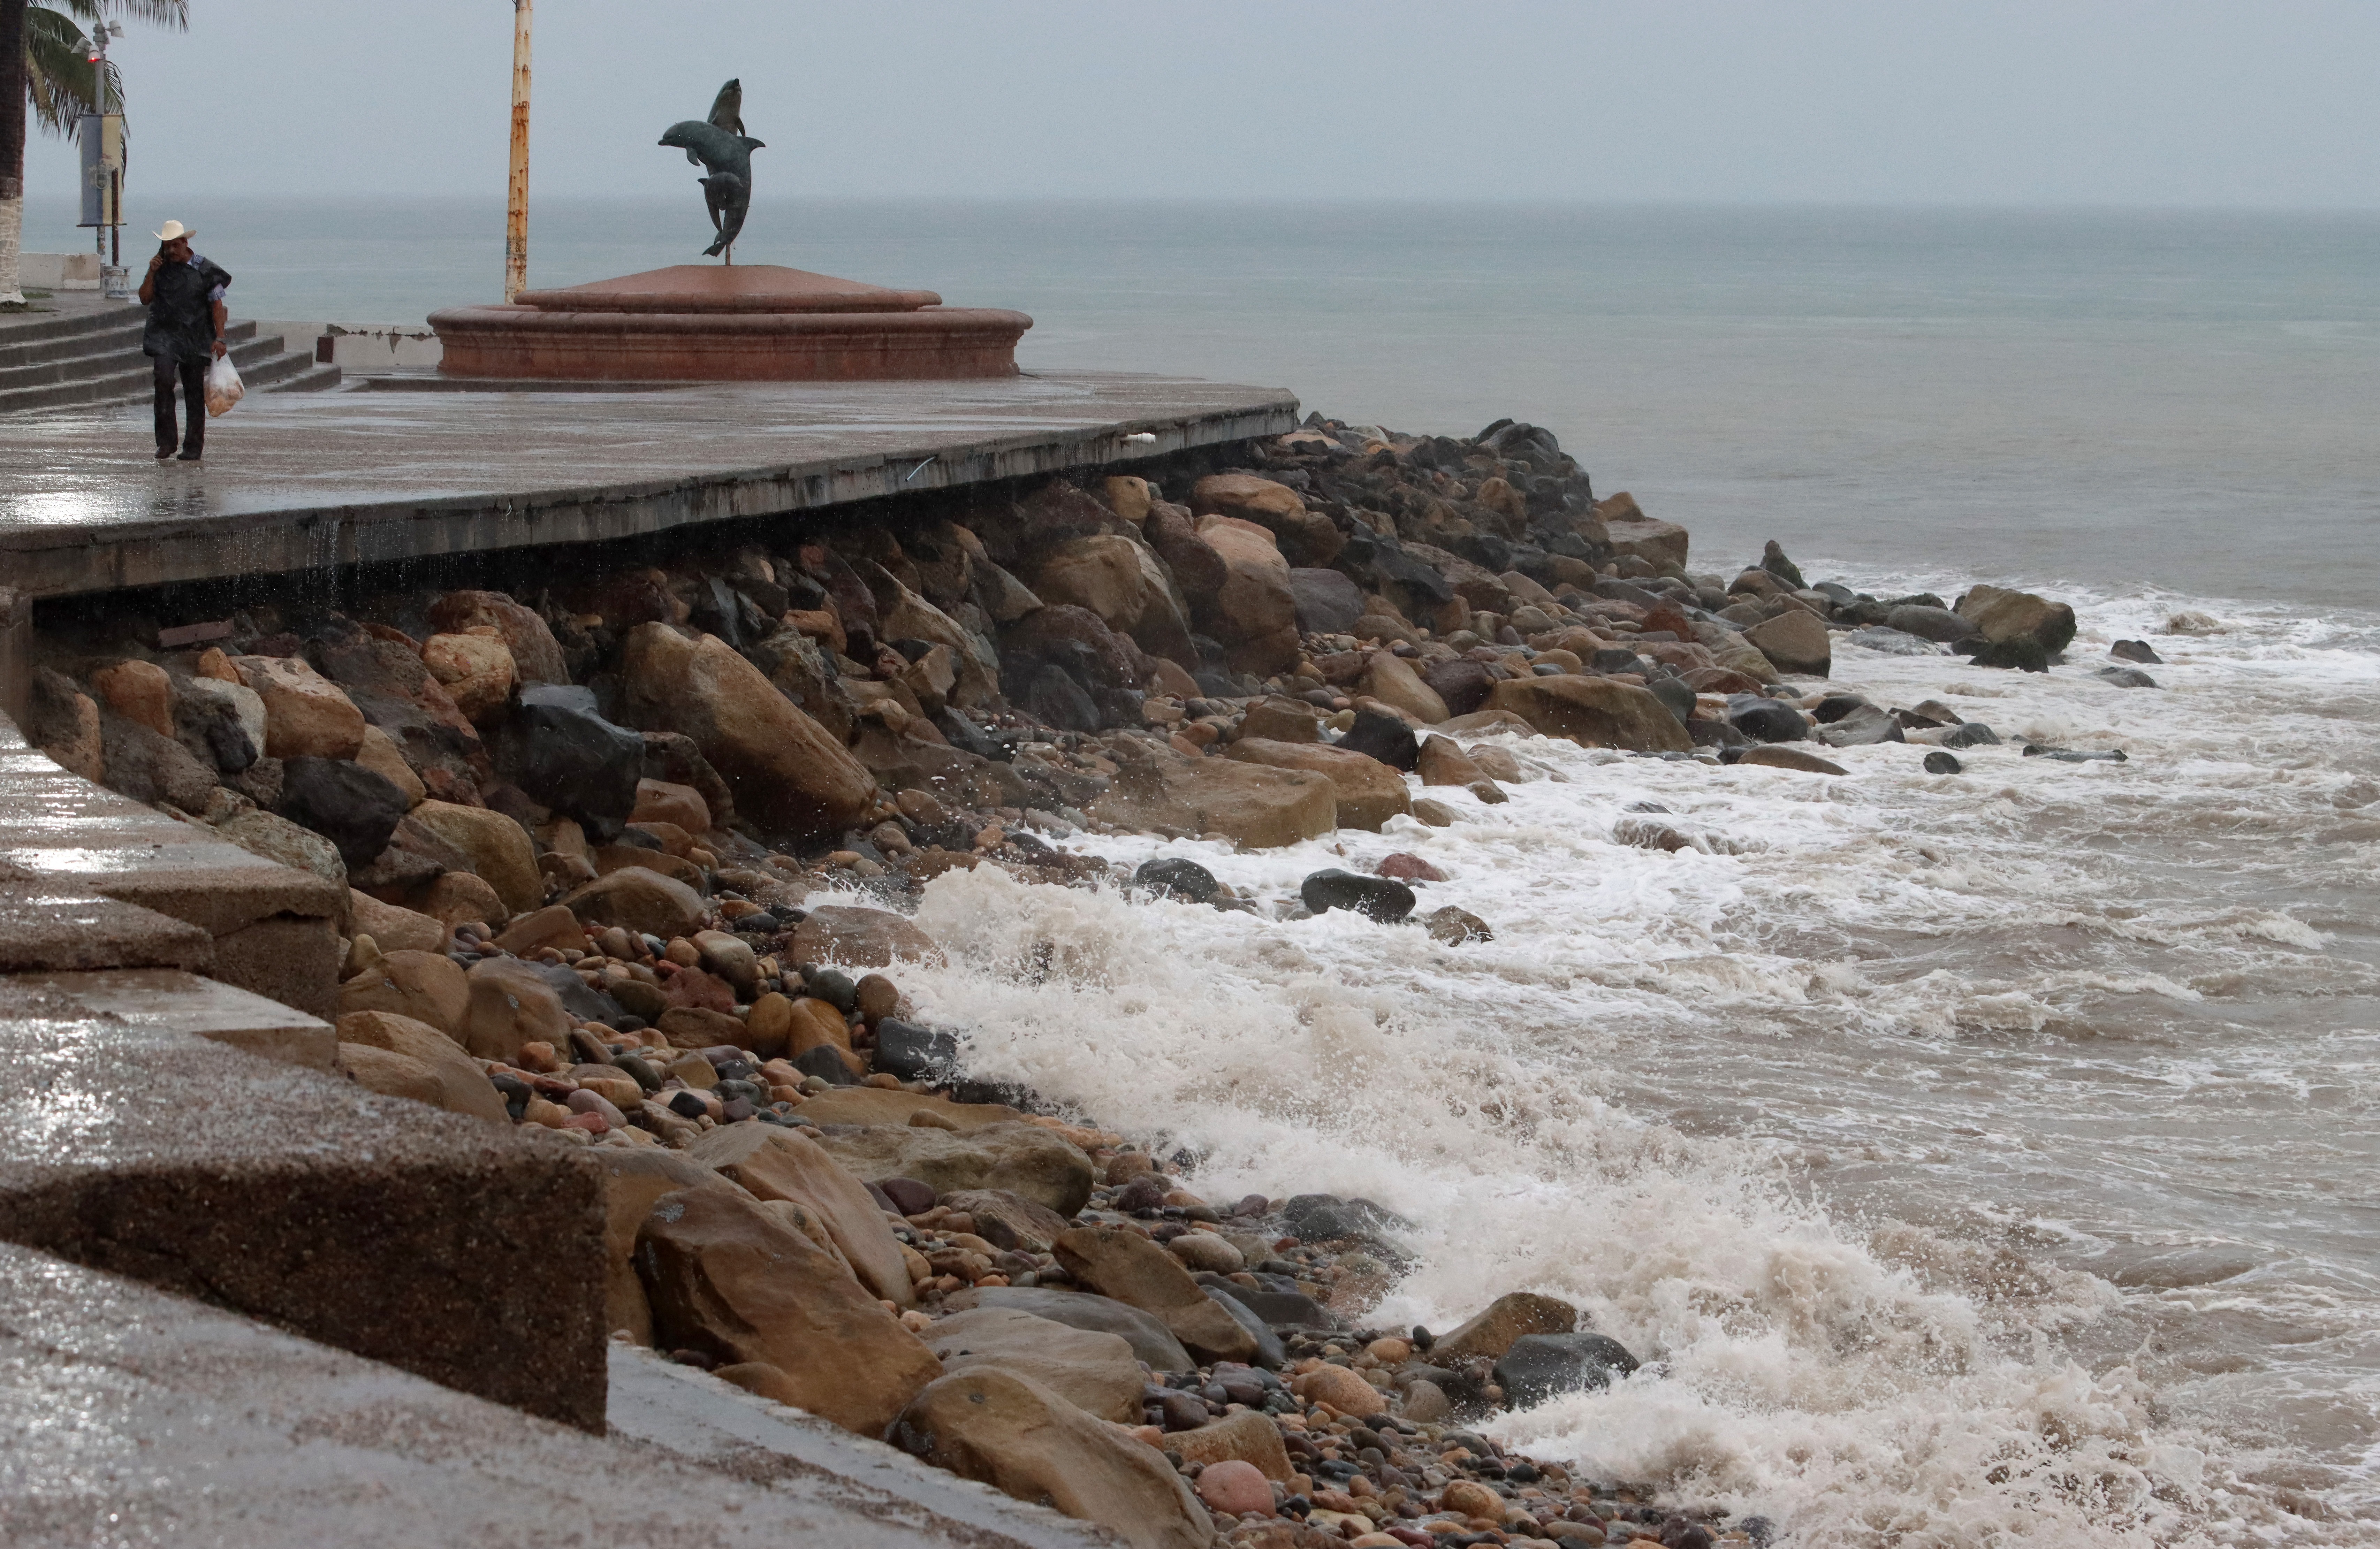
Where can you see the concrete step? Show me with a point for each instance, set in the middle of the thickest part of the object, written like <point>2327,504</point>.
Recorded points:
<point>124,375</point>
<point>25,334</point>
<point>95,336</point>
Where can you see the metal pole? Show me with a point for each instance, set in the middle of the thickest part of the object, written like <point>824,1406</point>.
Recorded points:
<point>516,187</point>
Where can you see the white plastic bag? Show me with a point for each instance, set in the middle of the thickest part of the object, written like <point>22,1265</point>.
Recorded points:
<point>223,386</point>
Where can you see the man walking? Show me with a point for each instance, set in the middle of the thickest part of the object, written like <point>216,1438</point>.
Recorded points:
<point>184,295</point>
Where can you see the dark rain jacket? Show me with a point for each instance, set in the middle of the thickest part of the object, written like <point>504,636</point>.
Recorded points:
<point>182,318</point>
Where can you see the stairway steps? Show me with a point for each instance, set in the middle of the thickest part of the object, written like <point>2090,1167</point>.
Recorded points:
<point>103,364</point>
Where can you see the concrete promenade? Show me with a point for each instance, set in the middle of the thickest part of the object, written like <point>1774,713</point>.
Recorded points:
<point>404,466</point>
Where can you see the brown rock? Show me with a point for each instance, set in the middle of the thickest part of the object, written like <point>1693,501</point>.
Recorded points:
<point>476,671</point>
<point>1136,1271</point>
<point>391,1074</point>
<point>1255,807</point>
<point>877,997</point>
<point>497,847</point>
<point>1389,679</point>
<point>640,899</point>
<point>1507,1318</point>
<point>815,1023</point>
<point>1243,495</point>
<point>554,926</point>
<point>727,1276</point>
<point>426,987</point>
<point>1779,755</point>
<point>774,1164</point>
<point>1794,642</point>
<point>305,713</point>
<point>458,897</point>
<point>1128,497</point>
<point>395,929</point>
<point>786,770</point>
<point>1246,1438</point>
<point>608,858</point>
<point>1365,793</point>
<point>868,1105</point>
<point>527,642</point>
<point>1019,1158</point>
<point>1008,1221</point>
<point>1256,607</point>
<point>1632,532</point>
<point>1197,569</point>
<point>2000,615</point>
<point>1468,1497</point>
<point>1010,1432</point>
<point>140,692</point>
<point>857,938</point>
<point>657,801</point>
<point>1443,762</point>
<point>1593,712</point>
<point>511,1004</point>
<point>378,753</point>
<point>769,1025</point>
<point>1096,1372</point>
<point>1282,719</point>
<point>462,1086</point>
<point>699,1027</point>
<point>1341,1387</point>
<point>1484,722</point>
<point>64,723</point>
<point>633,1179</point>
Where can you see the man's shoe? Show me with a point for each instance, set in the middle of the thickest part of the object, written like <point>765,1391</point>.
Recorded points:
<point>188,457</point>
<point>164,453</point>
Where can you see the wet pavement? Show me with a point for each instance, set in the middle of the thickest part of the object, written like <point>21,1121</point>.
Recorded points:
<point>369,474</point>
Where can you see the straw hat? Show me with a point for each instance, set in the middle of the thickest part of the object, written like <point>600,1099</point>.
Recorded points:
<point>174,231</point>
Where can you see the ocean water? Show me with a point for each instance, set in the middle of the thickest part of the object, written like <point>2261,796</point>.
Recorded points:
<point>1981,1160</point>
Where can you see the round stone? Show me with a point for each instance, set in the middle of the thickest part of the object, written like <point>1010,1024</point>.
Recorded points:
<point>1234,1486</point>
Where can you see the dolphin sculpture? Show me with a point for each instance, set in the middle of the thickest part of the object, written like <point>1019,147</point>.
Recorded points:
<point>718,145</point>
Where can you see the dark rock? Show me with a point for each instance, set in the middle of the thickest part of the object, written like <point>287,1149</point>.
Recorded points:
<point>2075,755</point>
<point>559,750</point>
<point>212,731</point>
<point>1054,698</point>
<point>1280,1309</point>
<point>2128,677</point>
<point>1171,877</point>
<point>2135,650</point>
<point>834,987</point>
<point>1716,733</point>
<point>1834,707</point>
<point>1317,1218</point>
<point>1767,720</point>
<point>1938,625</point>
<point>1377,734</point>
<point>583,1003</point>
<point>1675,697</point>
<point>908,1195</point>
<point>1863,727</point>
<point>2018,654</point>
<point>1971,733</point>
<point>1328,603</point>
<point>915,1053</point>
<point>1376,897</point>
<point>152,768</point>
<point>1197,569</point>
<point>1542,1366</point>
<point>1617,659</point>
<point>1773,560</point>
<point>826,1063</point>
<point>1679,1533</point>
<point>1463,685</point>
<point>352,806</point>
<point>1269,1353</point>
<point>1942,763</point>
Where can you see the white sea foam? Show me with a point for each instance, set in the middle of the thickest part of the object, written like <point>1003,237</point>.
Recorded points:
<point>1856,1125</point>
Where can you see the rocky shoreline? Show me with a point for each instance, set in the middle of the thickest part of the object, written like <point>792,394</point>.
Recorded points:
<point>629,846</point>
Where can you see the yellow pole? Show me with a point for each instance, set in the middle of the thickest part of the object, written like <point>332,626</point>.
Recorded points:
<point>517,187</point>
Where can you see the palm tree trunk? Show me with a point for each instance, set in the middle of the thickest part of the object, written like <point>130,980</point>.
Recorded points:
<point>12,148</point>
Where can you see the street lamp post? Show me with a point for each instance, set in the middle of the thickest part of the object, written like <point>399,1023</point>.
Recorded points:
<point>516,185</point>
<point>104,165</point>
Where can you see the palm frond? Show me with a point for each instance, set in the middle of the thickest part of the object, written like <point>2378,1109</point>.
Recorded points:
<point>61,82</point>
<point>175,14</point>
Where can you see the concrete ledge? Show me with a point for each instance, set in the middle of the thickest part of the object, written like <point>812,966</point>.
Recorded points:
<point>271,928</point>
<point>160,999</point>
<point>128,1417</point>
<point>460,1251</point>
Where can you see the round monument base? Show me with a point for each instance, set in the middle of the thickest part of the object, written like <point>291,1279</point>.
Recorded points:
<point>750,323</point>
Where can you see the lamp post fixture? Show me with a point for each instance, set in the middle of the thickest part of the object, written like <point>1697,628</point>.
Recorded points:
<point>516,185</point>
<point>103,165</point>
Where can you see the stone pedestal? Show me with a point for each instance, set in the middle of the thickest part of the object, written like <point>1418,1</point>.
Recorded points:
<point>743,323</point>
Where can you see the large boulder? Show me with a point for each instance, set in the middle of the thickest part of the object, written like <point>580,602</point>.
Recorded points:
<point>1096,1372</point>
<point>641,900</point>
<point>527,642</point>
<point>1258,807</point>
<point>733,1278</point>
<point>2001,616</point>
<point>1794,641</point>
<point>224,721</point>
<point>1151,1340</point>
<point>1023,1159</point>
<point>1593,712</point>
<point>1494,1328</point>
<point>783,768</point>
<point>1938,625</point>
<point>305,713</point>
<point>512,1004</point>
<point>776,1164</point>
<point>476,671</point>
<point>906,616</point>
<point>346,802</point>
<point>558,749</point>
<point>1367,792</point>
<point>498,849</point>
<point>857,937</point>
<point>1247,1437</point>
<point>1538,1367</point>
<point>1632,533</point>
<point>1328,603</point>
<point>1136,1271</point>
<point>1007,1431</point>
<point>427,986</point>
<point>462,1086</point>
<point>152,768</point>
<point>635,1178</point>
<point>1388,678</point>
<point>1122,582</point>
<point>1460,685</point>
<point>279,840</point>
<point>392,927</point>
<point>386,680</point>
<point>1254,610</point>
<point>1197,568</point>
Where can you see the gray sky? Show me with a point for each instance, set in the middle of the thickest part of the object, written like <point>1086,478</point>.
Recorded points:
<point>2248,103</point>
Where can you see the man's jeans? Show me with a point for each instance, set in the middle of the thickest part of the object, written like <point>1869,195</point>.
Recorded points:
<point>193,375</point>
